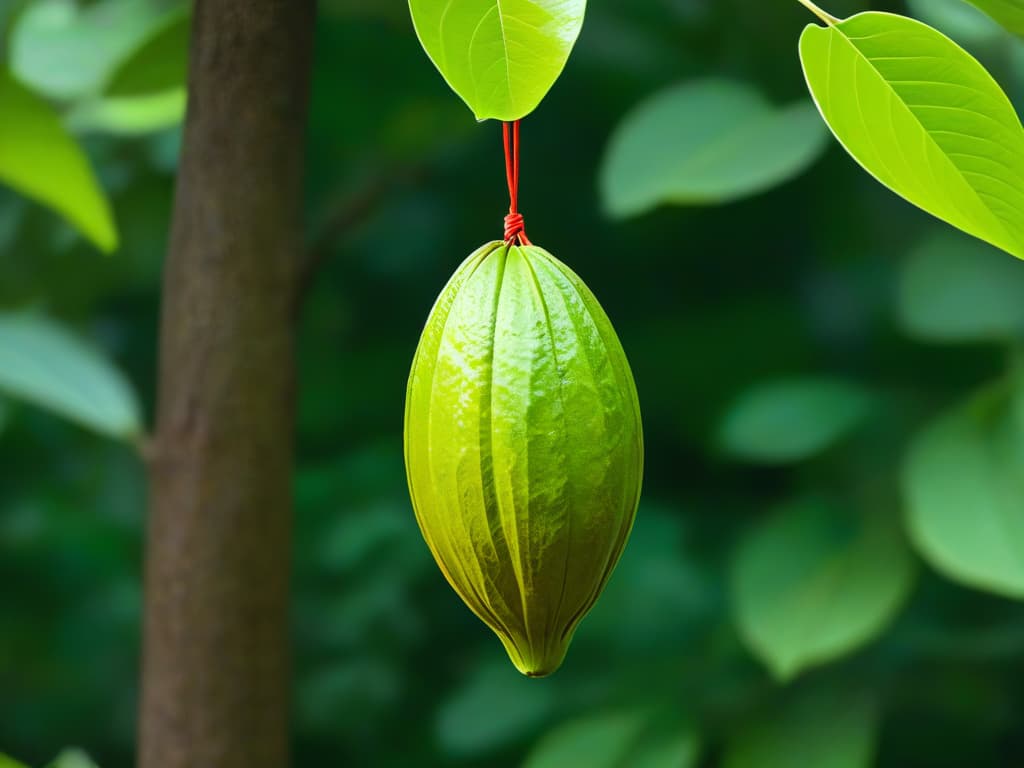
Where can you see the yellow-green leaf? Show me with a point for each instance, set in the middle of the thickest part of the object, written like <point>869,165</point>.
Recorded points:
<point>130,115</point>
<point>500,56</point>
<point>39,159</point>
<point>923,117</point>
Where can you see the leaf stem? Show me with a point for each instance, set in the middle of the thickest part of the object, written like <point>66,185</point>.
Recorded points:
<point>825,17</point>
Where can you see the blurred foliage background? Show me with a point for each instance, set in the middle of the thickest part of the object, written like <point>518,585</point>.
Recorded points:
<point>828,560</point>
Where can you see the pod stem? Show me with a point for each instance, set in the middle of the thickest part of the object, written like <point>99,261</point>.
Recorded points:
<point>515,228</point>
<point>828,18</point>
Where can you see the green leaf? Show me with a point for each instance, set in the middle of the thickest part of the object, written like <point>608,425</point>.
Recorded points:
<point>665,749</point>
<point>812,583</point>
<point>66,52</point>
<point>615,740</point>
<point>924,118</point>
<point>160,64</point>
<point>129,115</point>
<point>9,762</point>
<point>467,723</point>
<point>39,159</point>
<point>500,56</point>
<point>45,365</point>
<point>964,487</point>
<point>1009,13</point>
<point>956,289</point>
<point>704,143</point>
<point>824,728</point>
<point>72,758</point>
<point>600,741</point>
<point>791,419</point>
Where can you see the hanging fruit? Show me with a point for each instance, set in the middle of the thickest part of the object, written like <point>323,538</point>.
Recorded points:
<point>523,442</point>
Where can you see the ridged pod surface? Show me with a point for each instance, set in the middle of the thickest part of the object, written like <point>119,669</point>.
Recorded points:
<point>523,447</point>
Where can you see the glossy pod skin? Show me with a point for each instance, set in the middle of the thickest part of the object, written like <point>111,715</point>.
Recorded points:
<point>523,447</point>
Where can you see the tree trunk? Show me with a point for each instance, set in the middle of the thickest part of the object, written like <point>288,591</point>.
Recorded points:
<point>215,655</point>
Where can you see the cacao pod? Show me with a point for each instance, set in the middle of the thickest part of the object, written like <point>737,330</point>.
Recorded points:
<point>523,447</point>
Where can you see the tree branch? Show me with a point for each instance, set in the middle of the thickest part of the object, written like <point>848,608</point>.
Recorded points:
<point>352,211</point>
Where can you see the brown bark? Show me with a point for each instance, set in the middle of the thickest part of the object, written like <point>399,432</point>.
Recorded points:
<point>215,659</point>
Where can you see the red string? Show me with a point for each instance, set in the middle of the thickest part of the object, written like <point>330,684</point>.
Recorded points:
<point>514,227</point>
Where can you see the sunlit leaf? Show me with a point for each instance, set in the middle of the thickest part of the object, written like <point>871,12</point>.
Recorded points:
<point>825,728</point>
<point>615,740</point>
<point>813,582</point>
<point>500,56</point>
<point>964,487</point>
<point>791,419</point>
<point>704,143</point>
<point>9,762</point>
<point>129,115</point>
<point>65,49</point>
<point>43,364</point>
<point>1009,13</point>
<point>954,288</point>
<point>40,160</point>
<point>159,64</point>
<point>467,723</point>
<point>924,118</point>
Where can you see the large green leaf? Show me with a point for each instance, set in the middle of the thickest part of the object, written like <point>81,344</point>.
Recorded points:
<point>159,64</point>
<point>964,487</point>
<point>1009,13</point>
<point>956,289</point>
<point>924,118</point>
<point>500,56</point>
<point>45,365</point>
<point>703,143</point>
<point>39,159</point>
<point>791,419</point>
<point>823,728</point>
<point>813,582</point>
<point>66,51</point>
<point>615,740</point>
<point>8,762</point>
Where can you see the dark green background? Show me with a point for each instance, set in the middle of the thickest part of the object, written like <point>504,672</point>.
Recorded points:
<point>390,668</point>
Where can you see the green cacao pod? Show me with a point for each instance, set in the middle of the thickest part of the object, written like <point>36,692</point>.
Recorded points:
<point>523,447</point>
